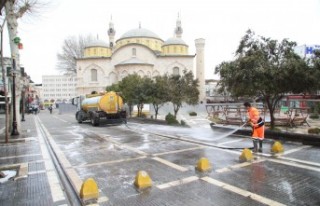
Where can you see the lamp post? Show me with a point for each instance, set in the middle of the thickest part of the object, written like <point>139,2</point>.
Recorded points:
<point>14,121</point>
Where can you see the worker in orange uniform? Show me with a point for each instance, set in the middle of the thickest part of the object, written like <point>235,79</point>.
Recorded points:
<point>257,124</point>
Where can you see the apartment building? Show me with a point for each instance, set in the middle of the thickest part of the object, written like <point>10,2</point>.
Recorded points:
<point>58,88</point>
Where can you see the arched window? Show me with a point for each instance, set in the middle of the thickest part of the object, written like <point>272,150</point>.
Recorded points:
<point>94,75</point>
<point>175,71</point>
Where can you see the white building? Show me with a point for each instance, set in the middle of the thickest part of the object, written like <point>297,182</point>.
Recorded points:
<point>139,51</point>
<point>58,88</point>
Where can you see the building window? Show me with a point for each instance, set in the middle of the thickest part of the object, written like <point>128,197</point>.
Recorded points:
<point>94,75</point>
<point>176,71</point>
<point>134,52</point>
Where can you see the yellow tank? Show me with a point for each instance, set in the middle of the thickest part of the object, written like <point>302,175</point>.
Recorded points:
<point>110,103</point>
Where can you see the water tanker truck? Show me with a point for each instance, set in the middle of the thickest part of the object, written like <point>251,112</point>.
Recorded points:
<point>107,107</point>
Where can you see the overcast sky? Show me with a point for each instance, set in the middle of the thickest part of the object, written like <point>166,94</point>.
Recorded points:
<point>222,23</point>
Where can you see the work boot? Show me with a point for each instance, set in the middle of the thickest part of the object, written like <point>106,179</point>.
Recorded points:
<point>255,146</point>
<point>260,145</point>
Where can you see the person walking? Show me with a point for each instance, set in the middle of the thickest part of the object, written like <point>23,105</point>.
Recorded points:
<point>257,125</point>
<point>50,109</point>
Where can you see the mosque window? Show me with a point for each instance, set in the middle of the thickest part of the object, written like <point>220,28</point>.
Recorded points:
<point>175,71</point>
<point>94,75</point>
<point>134,52</point>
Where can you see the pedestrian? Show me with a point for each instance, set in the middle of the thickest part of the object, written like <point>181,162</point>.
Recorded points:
<point>50,109</point>
<point>35,109</point>
<point>257,125</point>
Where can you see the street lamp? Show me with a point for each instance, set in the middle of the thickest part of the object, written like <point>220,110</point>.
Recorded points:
<point>14,121</point>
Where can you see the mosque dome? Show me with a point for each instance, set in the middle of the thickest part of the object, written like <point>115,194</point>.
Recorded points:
<point>174,41</point>
<point>97,43</point>
<point>139,32</point>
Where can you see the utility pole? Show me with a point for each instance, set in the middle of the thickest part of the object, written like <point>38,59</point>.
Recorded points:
<point>14,121</point>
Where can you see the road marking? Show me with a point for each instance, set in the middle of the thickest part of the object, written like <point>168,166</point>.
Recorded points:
<point>301,161</point>
<point>55,187</point>
<point>60,119</point>
<point>178,182</point>
<point>244,164</point>
<point>109,162</point>
<point>242,192</point>
<point>296,149</point>
<point>228,142</point>
<point>170,164</point>
<point>181,150</point>
<point>295,164</point>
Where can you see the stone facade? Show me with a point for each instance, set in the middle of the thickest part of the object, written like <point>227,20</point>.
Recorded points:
<point>137,51</point>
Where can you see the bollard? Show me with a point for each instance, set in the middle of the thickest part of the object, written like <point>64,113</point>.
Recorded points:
<point>203,165</point>
<point>142,180</point>
<point>246,155</point>
<point>89,190</point>
<point>277,147</point>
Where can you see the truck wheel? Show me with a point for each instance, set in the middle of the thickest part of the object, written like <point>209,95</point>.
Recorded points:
<point>79,117</point>
<point>94,119</point>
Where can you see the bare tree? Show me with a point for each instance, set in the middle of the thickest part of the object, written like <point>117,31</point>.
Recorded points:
<point>72,49</point>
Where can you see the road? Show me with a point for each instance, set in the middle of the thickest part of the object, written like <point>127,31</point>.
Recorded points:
<point>113,154</point>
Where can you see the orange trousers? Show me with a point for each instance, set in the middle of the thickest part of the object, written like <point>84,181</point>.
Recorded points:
<point>258,133</point>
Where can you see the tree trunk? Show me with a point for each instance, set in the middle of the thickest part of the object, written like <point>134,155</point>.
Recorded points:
<point>4,79</point>
<point>12,24</point>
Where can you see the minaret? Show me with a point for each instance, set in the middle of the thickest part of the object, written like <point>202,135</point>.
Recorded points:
<point>111,33</point>
<point>178,30</point>
<point>200,68</point>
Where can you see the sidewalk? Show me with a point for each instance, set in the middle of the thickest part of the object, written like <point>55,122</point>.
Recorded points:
<point>36,181</point>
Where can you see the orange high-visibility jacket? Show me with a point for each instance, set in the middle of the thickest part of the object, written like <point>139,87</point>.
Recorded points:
<point>253,114</point>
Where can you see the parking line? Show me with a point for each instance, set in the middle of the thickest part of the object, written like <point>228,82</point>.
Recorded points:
<point>296,149</point>
<point>242,192</point>
<point>181,150</point>
<point>170,164</point>
<point>301,161</point>
<point>294,164</point>
<point>178,182</point>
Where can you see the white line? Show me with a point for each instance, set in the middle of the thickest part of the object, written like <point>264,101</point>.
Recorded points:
<point>242,192</point>
<point>60,119</point>
<point>178,182</point>
<point>109,162</point>
<point>55,187</point>
<point>238,140</point>
<point>177,151</point>
<point>300,161</point>
<point>295,165</point>
<point>244,164</point>
<point>296,149</point>
<point>170,164</point>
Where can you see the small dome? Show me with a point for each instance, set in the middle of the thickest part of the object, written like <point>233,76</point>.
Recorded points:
<point>140,32</point>
<point>174,41</point>
<point>97,43</point>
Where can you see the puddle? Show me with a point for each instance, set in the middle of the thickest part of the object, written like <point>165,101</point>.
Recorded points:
<point>8,175</point>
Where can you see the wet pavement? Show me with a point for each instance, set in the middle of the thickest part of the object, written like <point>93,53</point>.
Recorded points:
<point>113,154</point>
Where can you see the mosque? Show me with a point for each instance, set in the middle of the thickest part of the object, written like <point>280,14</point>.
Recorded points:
<point>139,51</point>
